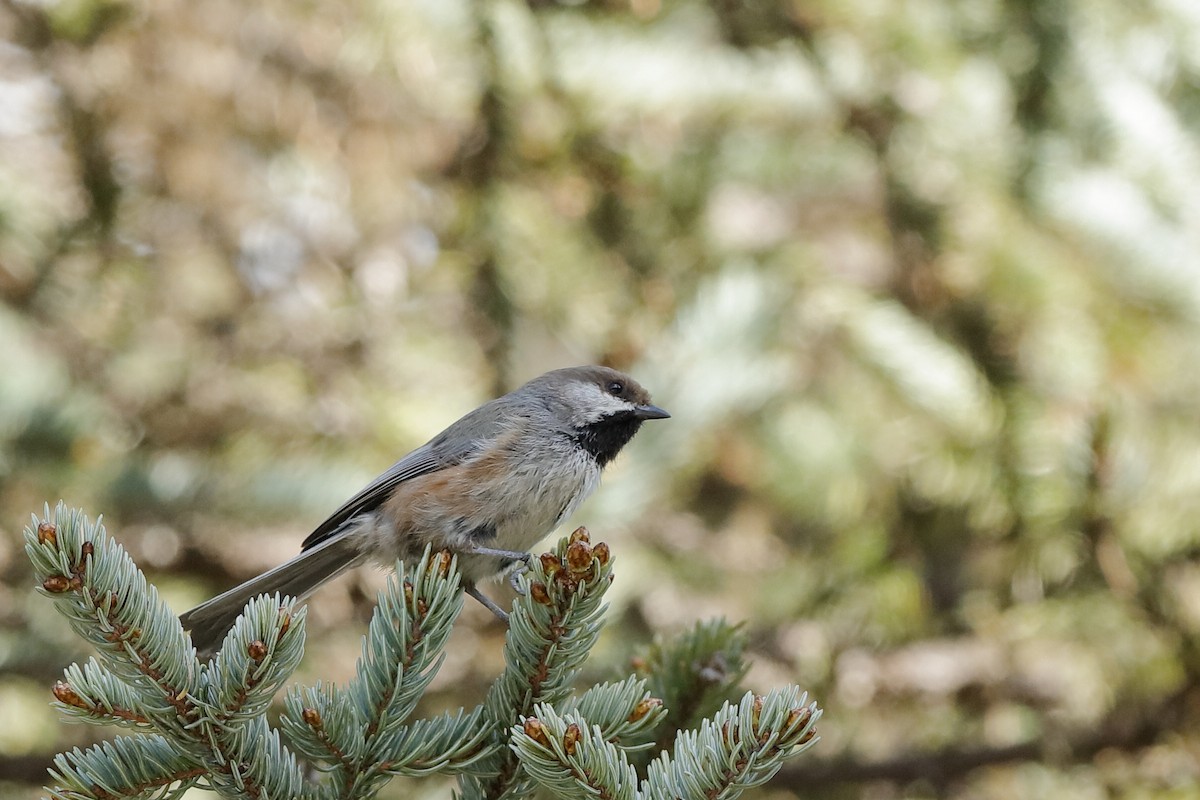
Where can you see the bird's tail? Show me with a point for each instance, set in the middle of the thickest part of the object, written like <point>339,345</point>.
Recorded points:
<point>298,578</point>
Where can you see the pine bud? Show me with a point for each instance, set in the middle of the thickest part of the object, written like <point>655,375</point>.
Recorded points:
<point>550,564</point>
<point>535,730</point>
<point>571,738</point>
<point>798,718</point>
<point>256,650</point>
<point>312,718</point>
<point>442,563</point>
<point>57,584</point>
<point>644,707</point>
<point>580,534</point>
<point>47,532</point>
<point>579,556</point>
<point>68,696</point>
<point>287,622</point>
<point>539,594</point>
<point>602,553</point>
<point>86,550</point>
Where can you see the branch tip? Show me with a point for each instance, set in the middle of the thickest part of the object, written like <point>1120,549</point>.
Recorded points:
<point>65,694</point>
<point>57,584</point>
<point>798,718</point>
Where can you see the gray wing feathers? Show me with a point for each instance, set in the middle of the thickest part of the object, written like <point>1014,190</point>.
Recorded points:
<point>452,446</point>
<point>418,462</point>
<point>298,578</point>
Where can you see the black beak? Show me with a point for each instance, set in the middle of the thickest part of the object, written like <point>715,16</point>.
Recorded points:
<point>650,412</point>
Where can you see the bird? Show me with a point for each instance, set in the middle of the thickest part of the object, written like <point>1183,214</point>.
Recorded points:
<point>487,489</point>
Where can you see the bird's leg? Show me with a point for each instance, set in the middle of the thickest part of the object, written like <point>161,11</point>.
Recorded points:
<point>486,602</point>
<point>512,555</point>
<point>519,557</point>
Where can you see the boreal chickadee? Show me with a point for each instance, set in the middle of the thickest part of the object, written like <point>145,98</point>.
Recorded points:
<point>487,488</point>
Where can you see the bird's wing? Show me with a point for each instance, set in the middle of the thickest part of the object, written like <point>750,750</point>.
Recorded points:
<point>453,446</point>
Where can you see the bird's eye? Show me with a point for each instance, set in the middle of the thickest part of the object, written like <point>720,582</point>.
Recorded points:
<point>615,388</point>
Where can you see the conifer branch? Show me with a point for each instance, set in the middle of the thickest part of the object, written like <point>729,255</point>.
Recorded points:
<point>625,713</point>
<point>205,724</point>
<point>359,732</point>
<point>742,746</point>
<point>126,767</point>
<point>572,759</point>
<point>90,694</point>
<point>694,673</point>
<point>109,603</point>
<point>552,627</point>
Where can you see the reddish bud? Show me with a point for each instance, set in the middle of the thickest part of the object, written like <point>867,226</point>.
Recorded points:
<point>256,650</point>
<point>579,556</point>
<point>539,593</point>
<point>602,553</point>
<point>312,718</point>
<point>535,730</point>
<point>644,707</point>
<point>422,606</point>
<point>756,714</point>
<point>580,534</point>
<point>408,592</point>
<point>550,564</point>
<point>442,563</point>
<point>68,696</point>
<point>797,718</point>
<point>571,738</point>
<point>287,622</point>
<point>47,532</point>
<point>57,584</point>
<point>86,550</point>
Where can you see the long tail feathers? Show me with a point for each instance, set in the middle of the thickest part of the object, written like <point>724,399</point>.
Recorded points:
<point>298,578</point>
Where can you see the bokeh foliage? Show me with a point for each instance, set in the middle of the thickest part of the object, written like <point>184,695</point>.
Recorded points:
<point>918,280</point>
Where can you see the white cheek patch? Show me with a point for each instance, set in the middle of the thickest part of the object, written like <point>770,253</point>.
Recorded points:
<point>590,403</point>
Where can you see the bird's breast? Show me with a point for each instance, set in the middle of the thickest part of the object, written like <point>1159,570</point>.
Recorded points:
<point>507,498</point>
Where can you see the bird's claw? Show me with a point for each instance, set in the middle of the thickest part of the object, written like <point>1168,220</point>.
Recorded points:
<point>514,577</point>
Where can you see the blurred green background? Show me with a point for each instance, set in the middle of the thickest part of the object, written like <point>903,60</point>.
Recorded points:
<point>918,279</point>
